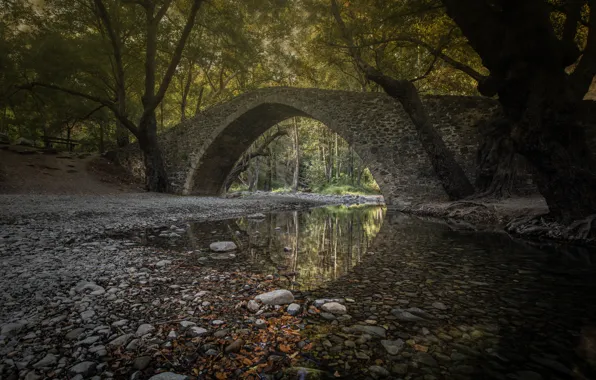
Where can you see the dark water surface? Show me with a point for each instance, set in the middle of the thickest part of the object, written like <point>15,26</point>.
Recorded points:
<point>487,306</point>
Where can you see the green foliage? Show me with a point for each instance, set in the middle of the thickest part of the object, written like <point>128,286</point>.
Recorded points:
<point>326,163</point>
<point>347,190</point>
<point>235,46</point>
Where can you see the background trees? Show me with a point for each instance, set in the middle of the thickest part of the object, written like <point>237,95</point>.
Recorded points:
<point>112,71</point>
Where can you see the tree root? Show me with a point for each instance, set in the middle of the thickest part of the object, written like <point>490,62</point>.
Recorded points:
<point>540,226</point>
<point>583,228</point>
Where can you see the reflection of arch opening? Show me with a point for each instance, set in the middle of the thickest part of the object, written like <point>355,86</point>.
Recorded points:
<point>208,176</point>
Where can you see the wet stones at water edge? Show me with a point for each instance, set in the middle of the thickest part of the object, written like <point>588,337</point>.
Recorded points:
<point>168,376</point>
<point>276,297</point>
<point>223,246</point>
<point>257,215</point>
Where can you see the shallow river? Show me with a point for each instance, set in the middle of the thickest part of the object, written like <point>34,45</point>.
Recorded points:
<point>458,304</point>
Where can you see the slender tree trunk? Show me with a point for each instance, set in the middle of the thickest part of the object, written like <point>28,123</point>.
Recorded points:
<point>156,178</point>
<point>336,155</point>
<point>68,145</point>
<point>185,92</point>
<point>271,168</point>
<point>199,101</point>
<point>101,138</point>
<point>351,167</point>
<point>297,157</point>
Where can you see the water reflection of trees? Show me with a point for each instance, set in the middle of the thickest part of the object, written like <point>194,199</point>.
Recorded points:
<point>312,246</point>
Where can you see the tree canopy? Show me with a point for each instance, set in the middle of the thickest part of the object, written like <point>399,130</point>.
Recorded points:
<point>108,72</point>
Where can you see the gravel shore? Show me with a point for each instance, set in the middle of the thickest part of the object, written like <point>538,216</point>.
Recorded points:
<point>64,283</point>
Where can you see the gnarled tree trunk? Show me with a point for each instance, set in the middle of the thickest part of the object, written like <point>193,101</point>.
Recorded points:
<point>495,162</point>
<point>528,71</point>
<point>156,178</point>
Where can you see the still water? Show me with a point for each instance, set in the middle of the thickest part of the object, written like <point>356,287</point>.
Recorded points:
<point>491,307</point>
<point>308,247</point>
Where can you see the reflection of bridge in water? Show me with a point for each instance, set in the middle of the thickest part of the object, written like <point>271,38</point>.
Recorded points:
<point>309,247</point>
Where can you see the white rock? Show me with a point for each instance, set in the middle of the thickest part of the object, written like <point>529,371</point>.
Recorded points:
<point>294,309</point>
<point>253,306</point>
<point>334,308</point>
<point>120,323</point>
<point>195,331</point>
<point>133,345</point>
<point>168,376</point>
<point>393,347</point>
<point>120,341</point>
<point>145,329</point>
<point>88,341</point>
<point>261,324</point>
<point>47,361</point>
<point>87,315</point>
<point>163,263</point>
<point>321,302</point>
<point>276,297</point>
<point>223,246</point>
<point>187,324</point>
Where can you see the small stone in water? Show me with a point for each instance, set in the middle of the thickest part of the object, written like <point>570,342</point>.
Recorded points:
<point>334,307</point>
<point>223,246</point>
<point>393,347</point>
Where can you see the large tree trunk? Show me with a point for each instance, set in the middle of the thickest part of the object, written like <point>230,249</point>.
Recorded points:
<point>451,175</point>
<point>548,135</point>
<point>495,162</point>
<point>156,178</point>
<point>528,63</point>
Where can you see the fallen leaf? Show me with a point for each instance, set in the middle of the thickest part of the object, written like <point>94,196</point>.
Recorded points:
<point>284,348</point>
<point>221,376</point>
<point>419,347</point>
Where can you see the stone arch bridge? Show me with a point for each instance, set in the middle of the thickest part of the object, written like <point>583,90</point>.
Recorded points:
<point>200,152</point>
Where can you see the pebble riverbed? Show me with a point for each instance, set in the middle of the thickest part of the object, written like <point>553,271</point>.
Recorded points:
<point>80,301</point>
<point>71,296</point>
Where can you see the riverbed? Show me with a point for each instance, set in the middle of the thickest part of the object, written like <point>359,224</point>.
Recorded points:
<point>415,299</point>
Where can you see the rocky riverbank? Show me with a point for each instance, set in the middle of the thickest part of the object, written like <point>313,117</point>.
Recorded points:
<point>78,303</point>
<point>83,298</point>
<point>519,217</point>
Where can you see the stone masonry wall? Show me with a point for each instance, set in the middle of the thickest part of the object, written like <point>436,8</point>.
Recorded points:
<point>200,152</point>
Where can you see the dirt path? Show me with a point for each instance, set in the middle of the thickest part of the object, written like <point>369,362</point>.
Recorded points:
<point>26,170</point>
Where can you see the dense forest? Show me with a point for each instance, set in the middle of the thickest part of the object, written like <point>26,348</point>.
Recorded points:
<point>109,72</point>
<point>81,56</point>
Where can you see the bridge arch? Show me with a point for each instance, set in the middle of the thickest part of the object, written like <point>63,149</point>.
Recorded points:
<point>200,152</point>
<point>233,139</point>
